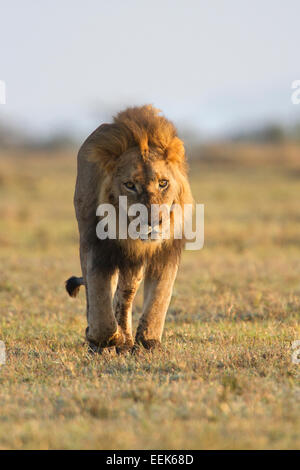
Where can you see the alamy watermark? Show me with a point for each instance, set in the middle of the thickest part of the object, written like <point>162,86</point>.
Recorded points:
<point>2,92</point>
<point>162,223</point>
<point>295,97</point>
<point>2,353</point>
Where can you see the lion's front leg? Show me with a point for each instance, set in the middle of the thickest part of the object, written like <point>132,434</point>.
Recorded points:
<point>157,295</point>
<point>103,329</point>
<point>129,281</point>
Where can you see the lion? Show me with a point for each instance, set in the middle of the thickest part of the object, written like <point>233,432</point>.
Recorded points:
<point>140,156</point>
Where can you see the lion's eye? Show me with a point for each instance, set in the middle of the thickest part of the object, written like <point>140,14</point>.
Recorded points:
<point>163,183</point>
<point>130,185</point>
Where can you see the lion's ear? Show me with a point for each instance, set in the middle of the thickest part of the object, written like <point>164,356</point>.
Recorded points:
<point>106,145</point>
<point>175,152</point>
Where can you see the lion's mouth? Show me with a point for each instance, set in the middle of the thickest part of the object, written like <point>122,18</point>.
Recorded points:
<point>150,234</point>
<point>150,240</point>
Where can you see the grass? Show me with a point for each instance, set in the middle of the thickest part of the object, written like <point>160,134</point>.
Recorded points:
<point>224,379</point>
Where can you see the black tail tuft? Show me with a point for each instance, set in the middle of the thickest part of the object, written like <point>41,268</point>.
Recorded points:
<point>73,285</point>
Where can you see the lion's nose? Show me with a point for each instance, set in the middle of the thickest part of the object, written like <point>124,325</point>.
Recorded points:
<point>145,230</point>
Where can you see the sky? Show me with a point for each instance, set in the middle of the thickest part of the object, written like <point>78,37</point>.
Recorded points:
<point>213,66</point>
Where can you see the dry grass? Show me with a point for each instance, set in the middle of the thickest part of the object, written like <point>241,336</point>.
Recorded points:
<point>225,378</point>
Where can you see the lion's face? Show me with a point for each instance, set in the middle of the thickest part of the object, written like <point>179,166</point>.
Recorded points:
<point>150,182</point>
<point>141,157</point>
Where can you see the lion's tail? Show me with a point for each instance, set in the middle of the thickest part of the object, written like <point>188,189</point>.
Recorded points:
<point>73,285</point>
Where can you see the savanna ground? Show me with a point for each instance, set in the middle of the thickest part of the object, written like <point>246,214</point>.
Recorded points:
<point>225,378</point>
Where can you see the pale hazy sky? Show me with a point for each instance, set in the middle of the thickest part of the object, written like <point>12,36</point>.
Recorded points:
<point>214,64</point>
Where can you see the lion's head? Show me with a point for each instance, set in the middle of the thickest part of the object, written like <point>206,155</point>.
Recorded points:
<point>141,157</point>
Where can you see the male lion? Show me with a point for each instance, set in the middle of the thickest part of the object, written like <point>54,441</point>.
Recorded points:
<point>139,156</point>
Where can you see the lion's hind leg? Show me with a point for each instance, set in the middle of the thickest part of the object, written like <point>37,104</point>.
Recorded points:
<point>128,285</point>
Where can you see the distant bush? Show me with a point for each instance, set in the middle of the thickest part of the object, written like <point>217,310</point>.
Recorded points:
<point>12,137</point>
<point>269,133</point>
